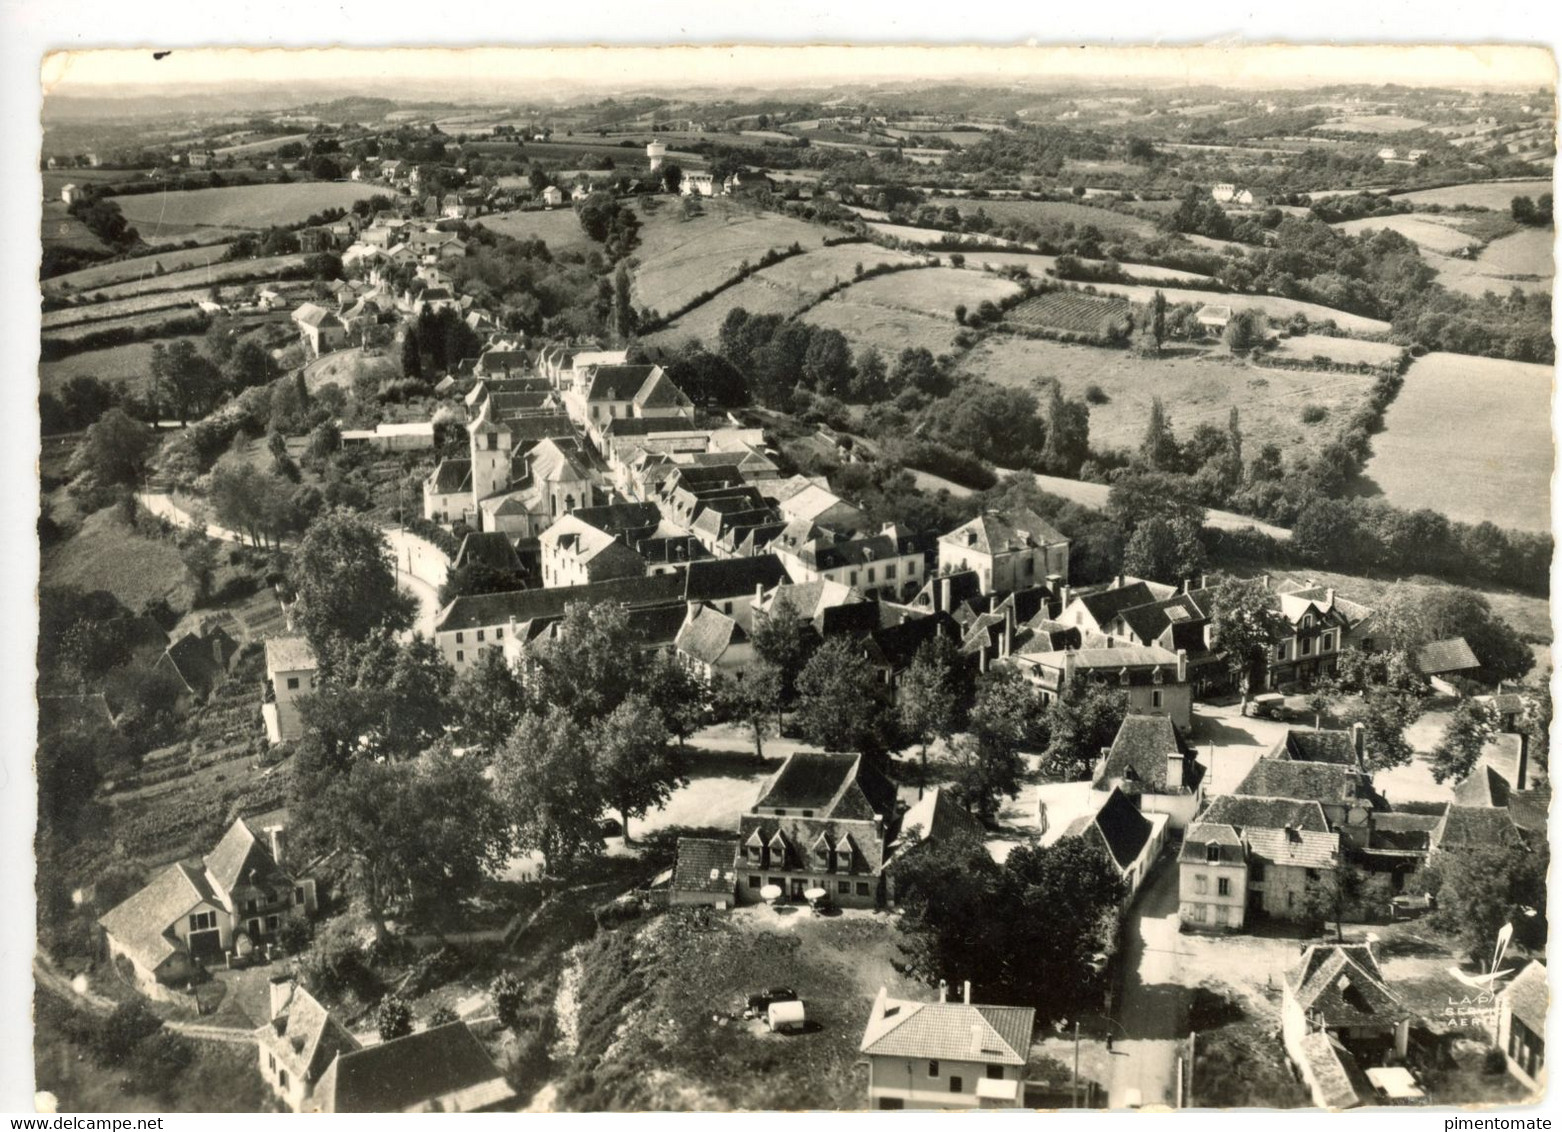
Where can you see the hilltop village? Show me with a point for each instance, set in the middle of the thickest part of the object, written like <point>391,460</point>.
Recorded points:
<point>464,688</point>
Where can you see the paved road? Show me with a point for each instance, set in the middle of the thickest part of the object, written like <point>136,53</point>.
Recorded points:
<point>1154,1007</point>
<point>420,565</point>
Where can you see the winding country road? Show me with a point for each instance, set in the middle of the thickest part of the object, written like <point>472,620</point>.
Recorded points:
<point>420,565</point>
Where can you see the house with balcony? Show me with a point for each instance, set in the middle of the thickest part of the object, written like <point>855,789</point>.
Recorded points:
<point>946,1055</point>
<point>1313,626</point>
<point>1154,679</point>
<point>233,900</point>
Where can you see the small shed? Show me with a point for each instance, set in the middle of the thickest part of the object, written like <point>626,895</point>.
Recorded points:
<point>706,873</point>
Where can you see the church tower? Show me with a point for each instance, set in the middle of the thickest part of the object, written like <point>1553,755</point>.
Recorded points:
<point>490,455</point>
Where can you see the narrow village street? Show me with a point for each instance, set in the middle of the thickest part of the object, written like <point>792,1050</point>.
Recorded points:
<point>1153,1009</point>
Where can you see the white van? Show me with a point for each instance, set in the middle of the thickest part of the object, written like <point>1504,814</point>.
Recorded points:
<point>785,1017</point>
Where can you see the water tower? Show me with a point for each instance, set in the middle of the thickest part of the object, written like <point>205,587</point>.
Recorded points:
<point>656,151</point>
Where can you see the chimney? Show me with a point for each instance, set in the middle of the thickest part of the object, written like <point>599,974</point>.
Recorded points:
<point>1187,585</point>
<point>946,592</point>
<point>1358,740</point>
<point>759,592</point>
<point>976,1038</point>
<point>275,833</point>
<point>280,992</point>
<point>1203,581</point>
<point>1008,635</point>
<point>1068,665</point>
<point>1329,597</point>
<point>1521,778</point>
<point>1117,583</point>
<point>1264,578</point>
<point>1182,666</point>
<point>1064,593</point>
<point>967,992</point>
<point>943,990</point>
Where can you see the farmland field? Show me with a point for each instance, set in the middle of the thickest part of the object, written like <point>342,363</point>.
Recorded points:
<point>119,308</point>
<point>1272,305</point>
<point>1068,311</point>
<point>1433,233</point>
<point>1373,124</point>
<point>107,554</point>
<point>782,288</point>
<point>679,259</point>
<point>1470,437</point>
<point>138,268</point>
<point>62,230</point>
<point>242,206</point>
<point>932,290</point>
<point>130,363</point>
<point>1040,264</point>
<point>266,267</point>
<point>1348,351</point>
<point>559,228</point>
<point>1196,390</point>
<point>1522,260</point>
<point>1051,211</point>
<point>913,235</point>
<point>129,321</point>
<point>1495,195</point>
<point>885,328</point>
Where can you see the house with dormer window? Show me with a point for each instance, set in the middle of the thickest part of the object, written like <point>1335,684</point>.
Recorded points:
<point>823,822</point>
<point>236,898</point>
<point>1313,626</point>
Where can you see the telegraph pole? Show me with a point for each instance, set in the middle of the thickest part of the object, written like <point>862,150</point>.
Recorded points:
<point>1074,1088</point>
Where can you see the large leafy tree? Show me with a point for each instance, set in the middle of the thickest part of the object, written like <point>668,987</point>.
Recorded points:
<point>342,576</point>
<point>407,830</point>
<point>184,379</point>
<point>1411,615</point>
<point>1166,549</point>
<point>1241,629</point>
<point>752,700</point>
<point>838,703</point>
<point>115,451</point>
<point>784,639</point>
<point>549,788</point>
<point>1058,905</point>
<point>632,760</point>
<point>591,664</point>
<point>682,700</point>
<point>1081,723</point>
<point>928,699</point>
<point>1392,695</point>
<point>1470,727</point>
<point>488,701</point>
<point>1483,889</point>
<point>1005,719</point>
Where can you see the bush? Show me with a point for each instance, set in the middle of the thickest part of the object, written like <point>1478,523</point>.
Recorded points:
<point>1095,395</point>
<point>508,993</point>
<point>393,1018</point>
<point>1312,414</point>
<point>442,1016</point>
<point>1493,1062</point>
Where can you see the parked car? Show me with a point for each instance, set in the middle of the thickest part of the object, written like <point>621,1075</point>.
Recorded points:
<point>760,1001</point>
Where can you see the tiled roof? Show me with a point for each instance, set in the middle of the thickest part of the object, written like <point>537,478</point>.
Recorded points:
<point>238,854</point>
<point>618,383</point>
<point>141,923</point>
<point>306,1036</point>
<point>1325,783</point>
<point>936,815</point>
<point>949,1031</point>
<point>999,532</point>
<point>312,314</point>
<point>442,1069</point>
<point>476,610</point>
<point>1343,983</point>
<point>1138,758</point>
<point>707,634</point>
<point>1440,657</point>
<point>1531,809</point>
<point>1104,605</point>
<point>1202,834</point>
<point>1265,813</point>
<point>1122,828</point>
<point>721,578</point>
<point>1476,827</point>
<point>1337,747</point>
<point>1303,848</point>
<point>491,548</point>
<point>1483,786</point>
<point>290,654</point>
<point>832,785</point>
<point>706,865</point>
<point>1529,996</point>
<point>1326,1062</point>
<point>659,392</point>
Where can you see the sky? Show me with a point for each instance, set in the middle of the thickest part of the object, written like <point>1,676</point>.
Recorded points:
<point>77,72</point>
